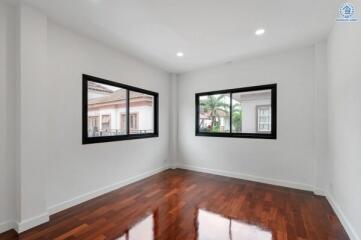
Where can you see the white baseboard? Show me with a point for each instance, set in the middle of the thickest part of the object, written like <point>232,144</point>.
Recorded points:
<point>345,223</point>
<point>32,222</point>
<point>319,192</point>
<point>248,177</point>
<point>90,195</point>
<point>6,226</point>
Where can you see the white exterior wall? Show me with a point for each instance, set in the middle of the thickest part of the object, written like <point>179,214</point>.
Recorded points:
<point>249,114</point>
<point>145,116</point>
<point>115,116</point>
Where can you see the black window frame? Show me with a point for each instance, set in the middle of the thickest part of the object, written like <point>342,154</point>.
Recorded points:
<point>272,135</point>
<point>128,136</point>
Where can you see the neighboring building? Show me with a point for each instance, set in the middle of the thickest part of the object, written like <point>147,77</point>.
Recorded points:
<point>256,111</point>
<point>107,111</point>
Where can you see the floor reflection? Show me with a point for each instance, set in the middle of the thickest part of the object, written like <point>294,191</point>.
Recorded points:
<point>143,230</point>
<point>212,226</point>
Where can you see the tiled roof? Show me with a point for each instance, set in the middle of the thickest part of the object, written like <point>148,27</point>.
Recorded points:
<point>119,95</point>
<point>98,87</point>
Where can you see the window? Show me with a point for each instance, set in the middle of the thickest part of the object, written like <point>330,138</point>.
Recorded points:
<point>244,112</point>
<point>264,119</point>
<point>106,123</point>
<point>114,111</point>
<point>93,125</point>
<point>133,122</point>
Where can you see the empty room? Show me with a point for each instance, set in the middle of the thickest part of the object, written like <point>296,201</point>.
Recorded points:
<point>180,120</point>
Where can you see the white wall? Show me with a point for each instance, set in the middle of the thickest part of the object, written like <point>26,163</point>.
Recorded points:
<point>7,113</point>
<point>44,167</point>
<point>77,169</point>
<point>344,60</point>
<point>31,146</point>
<point>320,106</point>
<point>290,159</point>
<point>173,117</point>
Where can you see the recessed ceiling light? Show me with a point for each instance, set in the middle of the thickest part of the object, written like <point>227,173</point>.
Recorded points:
<point>180,54</point>
<point>260,32</point>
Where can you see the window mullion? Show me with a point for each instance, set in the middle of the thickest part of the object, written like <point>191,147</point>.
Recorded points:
<point>230,111</point>
<point>128,113</point>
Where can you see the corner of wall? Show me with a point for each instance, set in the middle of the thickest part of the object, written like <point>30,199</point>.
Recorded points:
<point>342,217</point>
<point>6,226</point>
<point>8,64</point>
<point>31,222</point>
<point>343,57</point>
<point>173,115</point>
<point>321,171</point>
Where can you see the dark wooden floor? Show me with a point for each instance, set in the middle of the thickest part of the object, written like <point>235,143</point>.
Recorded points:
<point>179,204</point>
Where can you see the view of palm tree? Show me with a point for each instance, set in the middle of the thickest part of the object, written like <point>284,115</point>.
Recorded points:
<point>215,112</point>
<point>236,117</point>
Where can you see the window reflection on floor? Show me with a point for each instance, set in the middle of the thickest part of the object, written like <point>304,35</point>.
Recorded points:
<point>141,231</point>
<point>212,226</point>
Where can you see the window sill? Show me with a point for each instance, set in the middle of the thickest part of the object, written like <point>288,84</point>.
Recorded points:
<point>105,139</point>
<point>237,135</point>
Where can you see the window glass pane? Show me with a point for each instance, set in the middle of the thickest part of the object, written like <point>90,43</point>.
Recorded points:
<point>214,115</point>
<point>251,112</point>
<point>141,113</point>
<point>106,104</point>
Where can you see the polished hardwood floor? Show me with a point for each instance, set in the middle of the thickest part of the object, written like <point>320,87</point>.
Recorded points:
<point>185,205</point>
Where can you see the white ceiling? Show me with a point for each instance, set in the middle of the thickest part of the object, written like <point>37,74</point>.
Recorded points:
<point>207,31</point>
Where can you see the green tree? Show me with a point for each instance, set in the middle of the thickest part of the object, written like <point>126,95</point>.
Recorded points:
<point>214,104</point>
<point>237,117</point>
